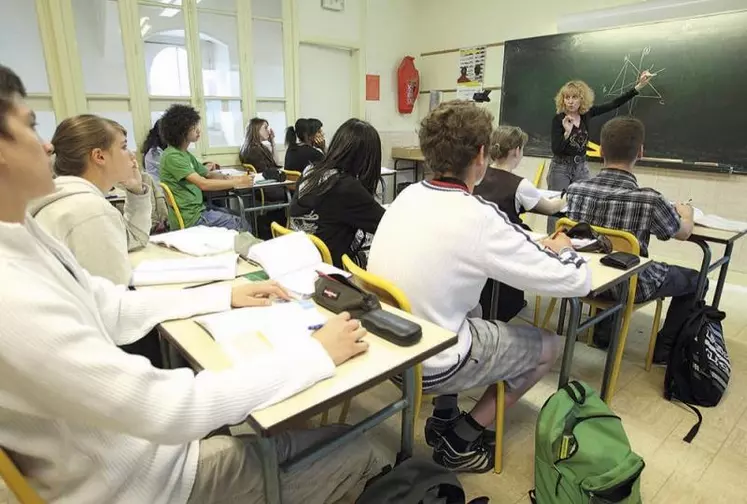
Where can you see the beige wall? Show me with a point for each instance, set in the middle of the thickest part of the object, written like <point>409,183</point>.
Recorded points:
<point>446,24</point>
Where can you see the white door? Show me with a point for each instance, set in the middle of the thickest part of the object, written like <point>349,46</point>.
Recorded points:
<point>326,85</point>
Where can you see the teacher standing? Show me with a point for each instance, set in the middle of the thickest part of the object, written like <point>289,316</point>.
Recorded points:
<point>570,129</point>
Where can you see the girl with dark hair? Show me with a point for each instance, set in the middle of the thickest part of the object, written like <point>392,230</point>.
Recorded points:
<point>334,200</point>
<point>152,149</point>
<point>305,144</point>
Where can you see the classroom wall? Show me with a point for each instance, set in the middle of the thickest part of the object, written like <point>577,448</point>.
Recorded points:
<point>444,24</point>
<point>384,30</point>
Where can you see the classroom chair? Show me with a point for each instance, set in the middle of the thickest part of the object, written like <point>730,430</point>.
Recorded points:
<point>278,230</point>
<point>538,174</point>
<point>16,481</point>
<point>172,203</point>
<point>292,176</point>
<point>390,294</point>
<point>251,169</point>
<point>624,242</point>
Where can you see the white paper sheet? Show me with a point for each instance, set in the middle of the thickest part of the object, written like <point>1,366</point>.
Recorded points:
<point>198,240</point>
<point>191,269</point>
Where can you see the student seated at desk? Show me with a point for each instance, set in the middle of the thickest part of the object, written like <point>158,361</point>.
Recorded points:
<point>304,144</point>
<point>334,200</point>
<point>440,244</point>
<point>613,199</point>
<point>152,150</point>
<point>91,156</point>
<point>87,423</point>
<point>259,151</point>
<point>188,178</point>
<point>514,195</point>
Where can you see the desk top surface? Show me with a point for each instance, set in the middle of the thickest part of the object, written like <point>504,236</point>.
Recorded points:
<point>716,235</point>
<point>383,360</point>
<point>603,277</point>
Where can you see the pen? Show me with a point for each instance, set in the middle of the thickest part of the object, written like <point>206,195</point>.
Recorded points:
<point>316,327</point>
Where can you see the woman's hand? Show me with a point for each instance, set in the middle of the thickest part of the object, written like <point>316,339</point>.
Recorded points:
<point>643,80</point>
<point>568,124</point>
<point>257,294</point>
<point>134,183</point>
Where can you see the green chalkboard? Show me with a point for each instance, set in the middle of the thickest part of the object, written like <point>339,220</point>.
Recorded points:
<point>696,109</point>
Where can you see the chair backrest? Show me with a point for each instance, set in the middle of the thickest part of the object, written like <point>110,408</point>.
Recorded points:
<point>293,176</point>
<point>383,289</point>
<point>249,168</point>
<point>172,203</point>
<point>278,230</point>
<point>622,241</point>
<point>538,174</point>
<point>16,481</point>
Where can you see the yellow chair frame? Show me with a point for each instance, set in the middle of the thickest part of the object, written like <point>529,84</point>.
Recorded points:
<point>251,169</point>
<point>392,295</point>
<point>172,203</point>
<point>278,230</point>
<point>624,242</point>
<point>16,481</point>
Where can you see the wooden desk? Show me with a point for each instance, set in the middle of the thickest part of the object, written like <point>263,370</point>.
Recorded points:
<point>603,278</point>
<point>702,236</point>
<point>413,156</point>
<point>383,360</point>
<point>153,251</point>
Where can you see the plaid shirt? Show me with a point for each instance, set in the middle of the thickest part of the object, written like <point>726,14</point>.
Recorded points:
<point>613,200</point>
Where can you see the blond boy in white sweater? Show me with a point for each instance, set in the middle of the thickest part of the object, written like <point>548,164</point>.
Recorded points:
<point>87,423</point>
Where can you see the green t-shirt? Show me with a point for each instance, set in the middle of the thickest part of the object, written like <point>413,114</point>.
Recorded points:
<point>176,165</point>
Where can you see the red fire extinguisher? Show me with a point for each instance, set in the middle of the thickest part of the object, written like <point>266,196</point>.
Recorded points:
<point>408,84</point>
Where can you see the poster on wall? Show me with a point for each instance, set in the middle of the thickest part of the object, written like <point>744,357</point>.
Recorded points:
<point>471,72</point>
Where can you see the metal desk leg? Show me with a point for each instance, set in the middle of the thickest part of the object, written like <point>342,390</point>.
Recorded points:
<point>270,470</point>
<point>561,316</point>
<point>704,267</point>
<point>570,340</point>
<point>408,414</point>
<point>614,341</point>
<point>722,275</point>
<point>494,299</point>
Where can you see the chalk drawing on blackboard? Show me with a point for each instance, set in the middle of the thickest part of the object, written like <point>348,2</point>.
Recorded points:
<point>628,76</point>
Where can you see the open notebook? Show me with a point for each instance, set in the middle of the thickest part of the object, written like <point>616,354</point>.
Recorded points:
<point>198,240</point>
<point>292,260</point>
<point>247,332</point>
<point>187,270</point>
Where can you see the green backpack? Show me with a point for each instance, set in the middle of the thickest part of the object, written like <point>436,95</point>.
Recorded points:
<point>582,454</point>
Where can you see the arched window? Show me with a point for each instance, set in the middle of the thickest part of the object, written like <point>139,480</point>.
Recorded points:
<point>168,72</point>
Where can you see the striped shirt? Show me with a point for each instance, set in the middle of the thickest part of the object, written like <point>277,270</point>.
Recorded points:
<point>613,200</point>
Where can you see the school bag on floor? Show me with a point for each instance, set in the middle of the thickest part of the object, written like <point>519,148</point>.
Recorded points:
<point>415,481</point>
<point>582,454</point>
<point>698,370</point>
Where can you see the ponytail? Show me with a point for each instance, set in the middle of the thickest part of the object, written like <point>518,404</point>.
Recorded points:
<point>290,137</point>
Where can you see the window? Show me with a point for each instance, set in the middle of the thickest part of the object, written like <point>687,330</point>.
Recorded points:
<point>267,8</point>
<point>267,49</point>
<point>19,29</point>
<point>166,61</point>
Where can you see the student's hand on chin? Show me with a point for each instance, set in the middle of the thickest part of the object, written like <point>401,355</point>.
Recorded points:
<point>341,338</point>
<point>257,294</point>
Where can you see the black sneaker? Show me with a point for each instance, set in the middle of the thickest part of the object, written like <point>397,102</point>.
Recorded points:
<point>435,428</point>
<point>477,458</point>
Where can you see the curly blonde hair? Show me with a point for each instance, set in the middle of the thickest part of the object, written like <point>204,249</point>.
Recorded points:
<point>575,88</point>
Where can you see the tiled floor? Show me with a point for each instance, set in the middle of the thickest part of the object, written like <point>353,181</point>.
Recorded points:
<point>710,470</point>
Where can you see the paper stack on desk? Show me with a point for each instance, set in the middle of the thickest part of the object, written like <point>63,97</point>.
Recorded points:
<point>716,222</point>
<point>198,240</point>
<point>248,331</point>
<point>187,270</point>
<point>293,260</point>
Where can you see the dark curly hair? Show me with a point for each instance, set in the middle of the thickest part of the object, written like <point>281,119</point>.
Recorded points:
<point>176,122</point>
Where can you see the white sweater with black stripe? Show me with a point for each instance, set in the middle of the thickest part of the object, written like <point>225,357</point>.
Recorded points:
<point>440,244</point>
<point>88,423</point>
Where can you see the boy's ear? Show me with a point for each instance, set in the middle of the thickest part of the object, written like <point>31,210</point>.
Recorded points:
<point>640,152</point>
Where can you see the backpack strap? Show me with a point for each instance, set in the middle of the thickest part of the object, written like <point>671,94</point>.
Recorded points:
<point>695,428</point>
<point>532,496</point>
<point>575,391</point>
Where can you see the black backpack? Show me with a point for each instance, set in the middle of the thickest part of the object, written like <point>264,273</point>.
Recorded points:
<point>415,481</point>
<point>699,369</point>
